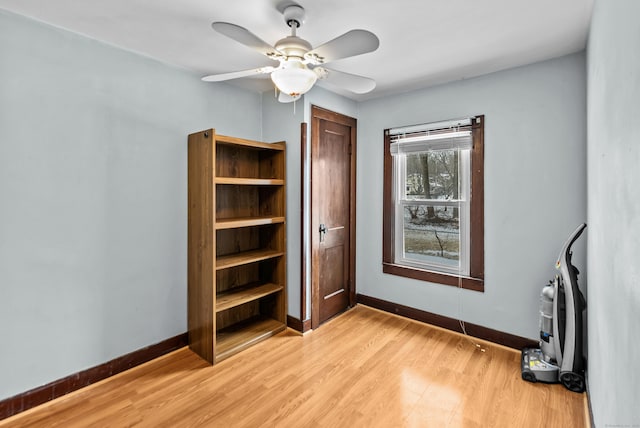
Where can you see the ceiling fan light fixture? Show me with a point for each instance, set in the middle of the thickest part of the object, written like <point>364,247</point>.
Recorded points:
<point>293,78</point>
<point>299,67</point>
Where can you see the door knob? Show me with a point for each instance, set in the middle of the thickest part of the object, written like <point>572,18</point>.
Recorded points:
<point>322,230</point>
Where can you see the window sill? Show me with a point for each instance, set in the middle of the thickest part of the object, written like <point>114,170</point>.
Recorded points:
<point>469,283</point>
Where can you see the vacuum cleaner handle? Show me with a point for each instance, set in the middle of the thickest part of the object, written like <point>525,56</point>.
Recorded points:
<point>565,253</point>
<point>572,360</point>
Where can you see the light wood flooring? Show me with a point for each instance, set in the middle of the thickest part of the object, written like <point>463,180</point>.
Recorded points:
<point>365,368</point>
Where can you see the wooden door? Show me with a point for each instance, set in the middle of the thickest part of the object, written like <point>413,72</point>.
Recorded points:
<point>332,214</point>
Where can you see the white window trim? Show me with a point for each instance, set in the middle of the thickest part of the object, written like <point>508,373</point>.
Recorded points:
<point>463,203</point>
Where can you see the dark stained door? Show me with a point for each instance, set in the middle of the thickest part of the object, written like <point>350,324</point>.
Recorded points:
<point>333,191</point>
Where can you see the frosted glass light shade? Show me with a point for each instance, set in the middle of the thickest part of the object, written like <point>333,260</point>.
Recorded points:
<point>294,78</point>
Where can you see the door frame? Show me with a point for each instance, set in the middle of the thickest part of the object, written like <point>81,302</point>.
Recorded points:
<point>317,114</point>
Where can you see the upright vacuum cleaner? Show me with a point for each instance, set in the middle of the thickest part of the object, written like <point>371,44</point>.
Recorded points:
<point>559,358</point>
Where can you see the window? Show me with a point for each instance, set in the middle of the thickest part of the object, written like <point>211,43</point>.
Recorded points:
<point>433,202</point>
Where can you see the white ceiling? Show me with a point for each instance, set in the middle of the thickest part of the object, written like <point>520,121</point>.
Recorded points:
<point>422,42</point>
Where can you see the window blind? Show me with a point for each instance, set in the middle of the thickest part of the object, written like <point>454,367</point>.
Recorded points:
<point>424,142</point>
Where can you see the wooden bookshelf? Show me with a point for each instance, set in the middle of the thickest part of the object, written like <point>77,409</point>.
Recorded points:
<point>246,257</point>
<point>237,297</point>
<point>242,335</point>
<point>237,245</point>
<point>250,181</point>
<point>232,223</point>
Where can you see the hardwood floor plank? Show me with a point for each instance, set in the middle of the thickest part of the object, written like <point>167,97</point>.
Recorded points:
<point>365,368</point>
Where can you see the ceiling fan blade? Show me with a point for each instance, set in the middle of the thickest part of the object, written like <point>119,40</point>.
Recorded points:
<point>286,98</point>
<point>237,74</point>
<point>351,82</point>
<point>246,37</point>
<point>352,43</point>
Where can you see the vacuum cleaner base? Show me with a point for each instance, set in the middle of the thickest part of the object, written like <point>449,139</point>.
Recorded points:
<point>535,369</point>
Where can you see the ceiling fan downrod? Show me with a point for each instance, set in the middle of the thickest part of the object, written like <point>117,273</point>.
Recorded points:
<point>292,46</point>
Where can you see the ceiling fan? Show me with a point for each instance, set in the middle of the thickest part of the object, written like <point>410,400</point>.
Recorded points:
<point>300,64</point>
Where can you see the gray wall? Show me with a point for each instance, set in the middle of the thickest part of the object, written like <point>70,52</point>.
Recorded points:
<point>613,68</point>
<point>282,122</point>
<point>535,188</point>
<point>93,190</point>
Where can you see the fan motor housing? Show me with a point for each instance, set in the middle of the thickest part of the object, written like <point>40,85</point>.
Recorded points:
<point>293,46</point>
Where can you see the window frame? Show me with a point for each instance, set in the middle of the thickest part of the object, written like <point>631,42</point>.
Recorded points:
<point>475,278</point>
<point>401,201</point>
